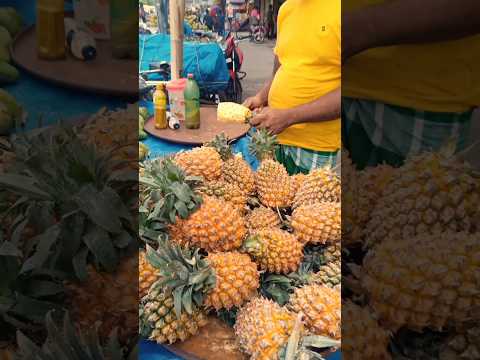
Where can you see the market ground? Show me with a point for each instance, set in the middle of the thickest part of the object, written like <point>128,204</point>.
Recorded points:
<point>258,64</point>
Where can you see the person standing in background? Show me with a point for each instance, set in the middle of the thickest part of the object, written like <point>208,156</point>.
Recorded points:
<point>230,15</point>
<point>301,103</point>
<point>270,22</point>
<point>254,19</point>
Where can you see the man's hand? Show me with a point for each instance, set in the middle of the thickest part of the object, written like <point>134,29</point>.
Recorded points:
<point>274,120</point>
<point>253,102</point>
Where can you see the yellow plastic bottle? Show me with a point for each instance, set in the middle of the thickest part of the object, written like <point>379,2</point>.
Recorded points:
<point>50,29</point>
<point>160,105</point>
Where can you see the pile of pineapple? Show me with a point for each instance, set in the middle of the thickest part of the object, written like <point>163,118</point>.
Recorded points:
<point>261,247</point>
<point>411,257</point>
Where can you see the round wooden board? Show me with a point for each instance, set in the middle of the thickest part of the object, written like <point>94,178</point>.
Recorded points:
<point>104,75</point>
<point>215,341</point>
<point>209,128</point>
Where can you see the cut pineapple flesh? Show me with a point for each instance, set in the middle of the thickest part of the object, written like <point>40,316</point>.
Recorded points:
<point>232,112</point>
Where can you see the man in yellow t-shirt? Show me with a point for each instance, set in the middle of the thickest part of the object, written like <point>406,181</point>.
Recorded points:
<point>302,101</point>
<point>410,77</point>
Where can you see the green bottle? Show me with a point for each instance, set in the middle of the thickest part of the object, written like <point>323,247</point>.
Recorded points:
<point>192,104</point>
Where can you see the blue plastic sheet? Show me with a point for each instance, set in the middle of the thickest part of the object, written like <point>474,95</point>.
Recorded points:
<point>205,61</point>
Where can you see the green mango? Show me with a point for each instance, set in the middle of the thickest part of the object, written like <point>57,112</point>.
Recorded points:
<point>5,37</point>
<point>143,111</point>
<point>13,108</point>
<point>4,54</point>
<point>8,73</point>
<point>7,120</point>
<point>11,20</point>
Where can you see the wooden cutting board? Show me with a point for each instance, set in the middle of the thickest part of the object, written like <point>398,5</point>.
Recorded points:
<point>103,75</point>
<point>209,128</point>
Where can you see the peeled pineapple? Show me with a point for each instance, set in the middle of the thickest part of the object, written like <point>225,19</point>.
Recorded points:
<point>317,223</point>
<point>166,326</point>
<point>263,328</point>
<point>203,161</point>
<point>237,280</point>
<point>215,226</point>
<point>427,281</point>
<point>321,185</point>
<point>233,112</point>
<point>275,250</point>
<point>321,306</point>
<point>262,218</point>
<point>362,336</point>
<point>432,193</point>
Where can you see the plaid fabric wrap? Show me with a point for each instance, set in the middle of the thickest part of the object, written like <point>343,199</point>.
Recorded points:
<point>298,160</point>
<point>376,133</point>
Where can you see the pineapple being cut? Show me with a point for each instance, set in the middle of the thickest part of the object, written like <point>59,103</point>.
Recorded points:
<point>233,112</point>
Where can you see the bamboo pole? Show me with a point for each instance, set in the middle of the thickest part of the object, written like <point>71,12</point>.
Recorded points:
<point>177,15</point>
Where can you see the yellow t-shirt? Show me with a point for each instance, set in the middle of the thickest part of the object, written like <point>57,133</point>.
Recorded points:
<point>441,77</point>
<point>309,50</point>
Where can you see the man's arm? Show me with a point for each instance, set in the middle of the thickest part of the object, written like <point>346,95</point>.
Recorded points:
<point>408,22</point>
<point>261,98</point>
<point>327,107</point>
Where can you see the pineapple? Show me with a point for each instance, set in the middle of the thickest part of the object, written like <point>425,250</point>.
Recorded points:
<point>362,336</point>
<point>271,179</point>
<point>166,327</point>
<point>321,185</point>
<point>321,306</point>
<point>226,191</point>
<point>228,266</point>
<point>233,112</point>
<point>427,281</point>
<point>432,193</point>
<point>235,170</point>
<point>262,218</point>
<point>215,226</point>
<point>147,274</point>
<point>110,299</point>
<point>462,344</point>
<point>275,250</point>
<point>317,223</point>
<point>329,275</point>
<point>219,281</point>
<point>359,198</point>
<point>203,161</point>
<point>296,182</point>
<point>263,328</point>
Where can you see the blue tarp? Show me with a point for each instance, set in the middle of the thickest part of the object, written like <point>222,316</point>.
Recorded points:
<point>205,60</point>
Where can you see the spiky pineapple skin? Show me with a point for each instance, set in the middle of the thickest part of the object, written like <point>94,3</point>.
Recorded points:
<point>216,226</point>
<point>167,328</point>
<point>329,275</point>
<point>428,281</point>
<point>275,250</point>
<point>236,171</point>
<point>111,299</point>
<point>321,306</point>
<point>263,328</point>
<point>273,184</point>
<point>226,191</point>
<point>462,344</point>
<point>262,218</point>
<point>317,223</point>
<point>204,161</point>
<point>362,336</point>
<point>430,194</point>
<point>147,274</point>
<point>321,185</point>
<point>237,280</point>
<point>296,182</point>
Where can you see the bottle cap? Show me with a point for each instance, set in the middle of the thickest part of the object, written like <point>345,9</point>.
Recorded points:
<point>160,87</point>
<point>190,76</point>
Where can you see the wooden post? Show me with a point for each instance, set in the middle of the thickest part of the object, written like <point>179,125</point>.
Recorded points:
<point>177,15</point>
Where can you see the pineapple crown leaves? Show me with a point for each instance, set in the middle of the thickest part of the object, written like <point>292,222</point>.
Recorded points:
<point>184,273</point>
<point>65,342</point>
<point>26,293</point>
<point>171,190</point>
<point>222,144</point>
<point>66,183</point>
<point>263,144</point>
